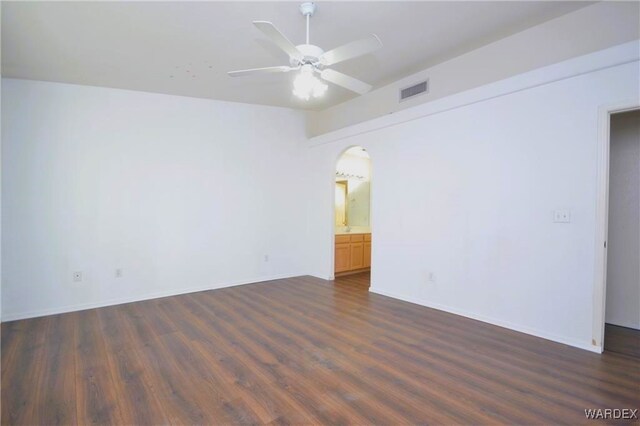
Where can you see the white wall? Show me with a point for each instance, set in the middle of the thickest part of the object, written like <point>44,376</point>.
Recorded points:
<point>623,259</point>
<point>584,31</point>
<point>187,194</point>
<point>180,193</point>
<point>467,188</point>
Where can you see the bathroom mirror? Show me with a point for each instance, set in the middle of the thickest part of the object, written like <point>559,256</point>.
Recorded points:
<point>353,189</point>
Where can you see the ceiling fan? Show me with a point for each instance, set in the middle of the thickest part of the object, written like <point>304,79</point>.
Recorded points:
<point>310,60</point>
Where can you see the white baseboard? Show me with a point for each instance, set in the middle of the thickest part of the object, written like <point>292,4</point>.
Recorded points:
<point>493,321</point>
<point>137,298</point>
<point>322,276</point>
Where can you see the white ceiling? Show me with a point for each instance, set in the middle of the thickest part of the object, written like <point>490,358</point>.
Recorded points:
<point>186,48</point>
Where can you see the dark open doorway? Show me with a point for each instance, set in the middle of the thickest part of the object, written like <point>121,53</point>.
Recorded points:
<point>622,312</point>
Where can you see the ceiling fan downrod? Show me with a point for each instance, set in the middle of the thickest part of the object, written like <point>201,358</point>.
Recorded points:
<point>308,9</point>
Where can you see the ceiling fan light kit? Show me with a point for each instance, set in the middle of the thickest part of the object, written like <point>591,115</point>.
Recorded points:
<point>310,60</point>
<point>307,85</point>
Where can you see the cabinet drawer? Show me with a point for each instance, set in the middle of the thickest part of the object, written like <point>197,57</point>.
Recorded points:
<point>340,239</point>
<point>358,238</point>
<point>367,237</point>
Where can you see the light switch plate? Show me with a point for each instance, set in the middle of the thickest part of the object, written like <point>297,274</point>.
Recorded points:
<point>562,216</point>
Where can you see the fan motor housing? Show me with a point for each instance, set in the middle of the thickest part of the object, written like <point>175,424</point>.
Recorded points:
<point>311,54</point>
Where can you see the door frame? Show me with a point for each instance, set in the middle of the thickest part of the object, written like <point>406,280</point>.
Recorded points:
<point>602,216</point>
<point>332,267</point>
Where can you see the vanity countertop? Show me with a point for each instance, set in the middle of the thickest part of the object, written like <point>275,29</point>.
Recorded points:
<point>354,230</point>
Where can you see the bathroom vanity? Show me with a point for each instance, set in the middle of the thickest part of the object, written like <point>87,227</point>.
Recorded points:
<point>352,253</point>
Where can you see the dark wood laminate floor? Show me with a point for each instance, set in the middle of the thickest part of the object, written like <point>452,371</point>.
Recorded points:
<point>297,351</point>
<point>622,340</point>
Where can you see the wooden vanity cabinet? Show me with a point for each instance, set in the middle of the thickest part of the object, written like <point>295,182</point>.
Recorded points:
<point>352,253</point>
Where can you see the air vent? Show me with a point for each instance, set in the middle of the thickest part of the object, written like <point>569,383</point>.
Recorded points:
<point>415,90</point>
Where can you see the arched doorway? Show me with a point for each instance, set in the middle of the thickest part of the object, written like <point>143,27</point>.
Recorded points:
<point>352,217</point>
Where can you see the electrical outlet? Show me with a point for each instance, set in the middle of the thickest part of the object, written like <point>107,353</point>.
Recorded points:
<point>118,273</point>
<point>77,276</point>
<point>562,216</point>
<point>432,277</point>
<point>266,257</point>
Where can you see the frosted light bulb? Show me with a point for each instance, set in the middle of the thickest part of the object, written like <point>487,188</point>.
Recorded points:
<point>307,85</point>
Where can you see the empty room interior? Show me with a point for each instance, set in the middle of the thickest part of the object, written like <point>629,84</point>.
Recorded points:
<point>294,213</point>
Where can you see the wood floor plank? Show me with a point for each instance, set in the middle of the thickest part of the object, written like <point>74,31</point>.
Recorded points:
<point>97,399</point>
<point>138,404</point>
<point>171,384</point>
<point>622,340</point>
<point>23,370</point>
<point>297,351</point>
<point>57,384</point>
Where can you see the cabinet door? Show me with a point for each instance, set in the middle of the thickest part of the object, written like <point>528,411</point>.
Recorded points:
<point>367,254</point>
<point>357,255</point>
<point>342,257</point>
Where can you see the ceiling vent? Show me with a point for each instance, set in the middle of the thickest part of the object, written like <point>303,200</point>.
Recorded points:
<point>415,90</point>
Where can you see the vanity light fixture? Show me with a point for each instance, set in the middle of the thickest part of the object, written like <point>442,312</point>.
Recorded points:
<point>344,175</point>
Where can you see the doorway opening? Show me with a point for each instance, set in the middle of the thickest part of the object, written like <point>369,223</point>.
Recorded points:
<point>352,212</point>
<point>622,308</point>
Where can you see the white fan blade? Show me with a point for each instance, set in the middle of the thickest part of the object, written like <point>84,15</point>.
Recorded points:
<point>351,50</point>
<point>241,73</point>
<point>345,81</point>
<point>279,39</point>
